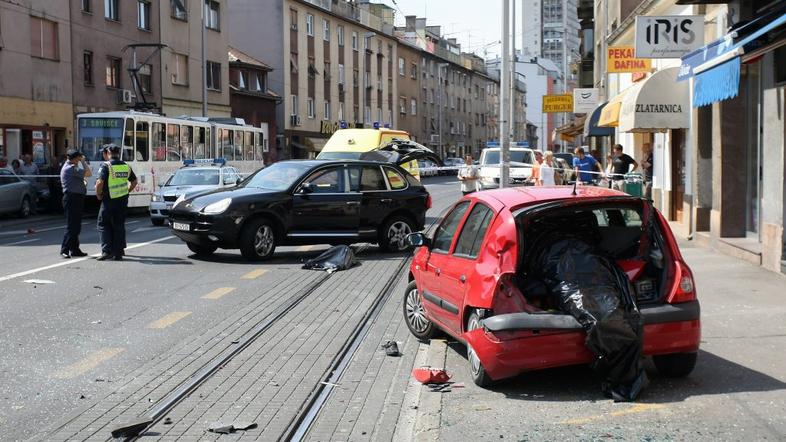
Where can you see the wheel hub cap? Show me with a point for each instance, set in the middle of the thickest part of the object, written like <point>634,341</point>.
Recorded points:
<point>415,314</point>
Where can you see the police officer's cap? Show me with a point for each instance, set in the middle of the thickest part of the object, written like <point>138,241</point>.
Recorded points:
<point>110,148</point>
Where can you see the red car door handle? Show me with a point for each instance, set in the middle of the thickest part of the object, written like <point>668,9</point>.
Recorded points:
<point>463,279</point>
<point>436,271</point>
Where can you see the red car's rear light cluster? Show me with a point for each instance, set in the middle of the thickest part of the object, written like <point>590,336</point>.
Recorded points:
<point>683,289</point>
<point>428,201</point>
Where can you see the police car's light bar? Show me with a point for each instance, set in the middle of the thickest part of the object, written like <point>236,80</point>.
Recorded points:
<point>205,161</point>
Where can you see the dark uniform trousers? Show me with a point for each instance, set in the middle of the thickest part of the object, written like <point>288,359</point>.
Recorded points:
<point>73,203</point>
<point>112,225</point>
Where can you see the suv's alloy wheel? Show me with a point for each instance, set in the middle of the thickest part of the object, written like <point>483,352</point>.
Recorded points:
<point>395,234</point>
<point>258,240</point>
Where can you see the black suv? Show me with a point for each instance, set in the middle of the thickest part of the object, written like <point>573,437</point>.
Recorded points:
<point>305,202</point>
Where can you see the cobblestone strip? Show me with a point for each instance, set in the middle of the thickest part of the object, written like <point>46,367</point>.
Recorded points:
<point>268,383</point>
<point>154,380</point>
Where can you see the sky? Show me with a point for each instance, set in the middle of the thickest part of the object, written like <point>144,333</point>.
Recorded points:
<point>474,23</point>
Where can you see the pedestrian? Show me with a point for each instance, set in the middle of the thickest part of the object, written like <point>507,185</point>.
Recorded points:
<point>115,181</point>
<point>646,165</point>
<point>16,165</point>
<point>468,175</point>
<point>28,169</point>
<point>620,166</point>
<point>547,170</point>
<point>534,178</point>
<point>4,164</point>
<point>72,179</point>
<point>586,165</point>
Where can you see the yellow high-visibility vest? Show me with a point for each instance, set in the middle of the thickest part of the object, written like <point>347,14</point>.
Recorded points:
<point>118,180</point>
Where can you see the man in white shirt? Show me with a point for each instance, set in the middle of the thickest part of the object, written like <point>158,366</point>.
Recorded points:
<point>468,175</point>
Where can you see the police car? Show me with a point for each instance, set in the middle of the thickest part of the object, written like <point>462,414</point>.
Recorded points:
<point>194,177</point>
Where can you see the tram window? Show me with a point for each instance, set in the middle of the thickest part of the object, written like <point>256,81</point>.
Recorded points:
<point>158,138</point>
<point>239,145</point>
<point>248,145</point>
<point>187,142</point>
<point>227,138</point>
<point>200,143</point>
<point>172,142</point>
<point>142,141</point>
<point>128,141</point>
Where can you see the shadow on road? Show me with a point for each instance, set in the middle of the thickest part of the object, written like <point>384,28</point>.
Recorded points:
<point>157,260</point>
<point>712,375</point>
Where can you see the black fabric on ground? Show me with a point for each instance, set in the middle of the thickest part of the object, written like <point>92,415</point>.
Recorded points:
<point>586,284</point>
<point>333,259</point>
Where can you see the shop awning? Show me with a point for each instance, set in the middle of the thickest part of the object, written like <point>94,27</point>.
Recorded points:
<point>658,103</point>
<point>591,128</point>
<point>569,132</point>
<point>717,84</point>
<point>610,114</point>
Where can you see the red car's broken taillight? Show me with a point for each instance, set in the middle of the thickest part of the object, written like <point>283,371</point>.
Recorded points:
<point>683,289</point>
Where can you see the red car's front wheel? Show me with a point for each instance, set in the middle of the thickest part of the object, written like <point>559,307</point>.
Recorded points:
<point>414,314</point>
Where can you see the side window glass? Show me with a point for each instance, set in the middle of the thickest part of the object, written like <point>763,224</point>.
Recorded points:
<point>142,141</point>
<point>128,141</point>
<point>444,234</point>
<point>328,181</point>
<point>474,230</point>
<point>354,179</point>
<point>397,182</point>
<point>372,179</point>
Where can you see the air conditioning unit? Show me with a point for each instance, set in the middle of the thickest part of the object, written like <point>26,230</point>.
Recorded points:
<point>125,96</point>
<point>294,120</point>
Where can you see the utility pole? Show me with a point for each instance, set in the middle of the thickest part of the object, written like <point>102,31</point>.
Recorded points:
<point>564,54</point>
<point>204,60</point>
<point>512,73</point>
<point>504,133</point>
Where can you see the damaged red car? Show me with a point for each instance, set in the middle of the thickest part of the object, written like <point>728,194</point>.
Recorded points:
<point>473,279</point>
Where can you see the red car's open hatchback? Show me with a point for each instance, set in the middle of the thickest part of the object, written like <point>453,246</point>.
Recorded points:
<point>467,280</point>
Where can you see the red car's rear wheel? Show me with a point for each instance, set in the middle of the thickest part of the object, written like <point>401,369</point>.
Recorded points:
<point>479,375</point>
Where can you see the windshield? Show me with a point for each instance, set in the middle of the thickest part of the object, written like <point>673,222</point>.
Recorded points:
<point>339,155</point>
<point>195,177</point>
<point>95,132</point>
<point>516,156</point>
<point>278,176</point>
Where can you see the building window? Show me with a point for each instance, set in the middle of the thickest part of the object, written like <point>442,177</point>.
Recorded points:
<point>259,82</point>
<point>354,41</point>
<point>179,10</point>
<point>146,78</point>
<point>113,68</point>
<point>327,110</point>
<point>402,105</point>
<point>325,30</point>
<point>213,15</point>
<point>242,81</point>
<point>367,114</point>
<point>213,76</point>
<point>143,15</point>
<point>43,38</point>
<point>309,25</point>
<point>401,68</point>
<point>413,106</point>
<point>87,6</point>
<point>414,71</point>
<point>293,103</point>
<point>340,35</point>
<point>293,20</point>
<point>312,112</point>
<point>340,73</point>
<point>179,69</point>
<point>87,67</point>
<point>111,10</point>
<point>355,78</point>
<point>341,111</point>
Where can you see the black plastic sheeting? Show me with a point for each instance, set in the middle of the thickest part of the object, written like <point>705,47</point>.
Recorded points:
<point>582,281</point>
<point>333,259</point>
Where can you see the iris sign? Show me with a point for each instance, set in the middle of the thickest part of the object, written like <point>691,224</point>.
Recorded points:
<point>668,36</point>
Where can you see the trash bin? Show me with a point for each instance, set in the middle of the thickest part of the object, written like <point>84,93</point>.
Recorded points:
<point>634,185</point>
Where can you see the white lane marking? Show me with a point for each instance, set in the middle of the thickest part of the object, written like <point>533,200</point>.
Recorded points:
<point>21,242</point>
<point>76,260</point>
<point>49,229</point>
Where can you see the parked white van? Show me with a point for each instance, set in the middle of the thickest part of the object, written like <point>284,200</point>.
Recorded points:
<point>521,161</point>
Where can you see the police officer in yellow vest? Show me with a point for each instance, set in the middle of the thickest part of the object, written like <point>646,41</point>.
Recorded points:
<point>115,181</point>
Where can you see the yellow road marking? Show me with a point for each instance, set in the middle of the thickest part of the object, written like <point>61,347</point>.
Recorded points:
<point>92,361</point>
<point>638,408</point>
<point>305,248</point>
<point>254,274</point>
<point>168,320</point>
<point>218,293</point>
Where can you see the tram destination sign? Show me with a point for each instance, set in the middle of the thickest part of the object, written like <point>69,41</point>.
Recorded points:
<point>100,123</point>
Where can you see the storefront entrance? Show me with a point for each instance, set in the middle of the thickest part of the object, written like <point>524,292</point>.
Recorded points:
<point>677,174</point>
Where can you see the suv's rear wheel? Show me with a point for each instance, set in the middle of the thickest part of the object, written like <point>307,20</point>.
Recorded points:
<point>393,235</point>
<point>476,370</point>
<point>414,314</point>
<point>258,240</point>
<point>201,250</point>
<point>675,365</point>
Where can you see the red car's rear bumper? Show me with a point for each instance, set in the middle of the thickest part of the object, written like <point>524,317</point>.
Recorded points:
<point>513,345</point>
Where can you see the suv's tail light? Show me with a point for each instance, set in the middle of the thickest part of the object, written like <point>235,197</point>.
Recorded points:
<point>683,289</point>
<point>428,201</point>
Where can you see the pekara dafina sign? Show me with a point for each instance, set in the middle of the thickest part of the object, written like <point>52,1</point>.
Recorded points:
<point>623,59</point>
<point>668,36</point>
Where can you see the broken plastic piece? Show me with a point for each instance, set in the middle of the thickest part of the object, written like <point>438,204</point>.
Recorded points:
<point>221,428</point>
<point>131,429</point>
<point>333,259</point>
<point>428,375</point>
<point>391,348</point>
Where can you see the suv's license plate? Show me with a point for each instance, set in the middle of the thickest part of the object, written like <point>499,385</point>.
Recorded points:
<point>181,226</point>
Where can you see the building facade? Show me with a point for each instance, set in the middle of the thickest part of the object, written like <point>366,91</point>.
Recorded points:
<point>36,116</point>
<point>409,106</point>
<point>336,64</point>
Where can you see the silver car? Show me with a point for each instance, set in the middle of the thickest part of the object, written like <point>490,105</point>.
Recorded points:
<point>16,195</point>
<point>188,181</point>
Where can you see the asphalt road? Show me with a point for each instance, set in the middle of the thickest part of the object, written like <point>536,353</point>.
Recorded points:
<point>72,329</point>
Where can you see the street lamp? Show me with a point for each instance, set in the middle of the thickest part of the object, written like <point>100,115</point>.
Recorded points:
<point>366,118</point>
<point>439,105</point>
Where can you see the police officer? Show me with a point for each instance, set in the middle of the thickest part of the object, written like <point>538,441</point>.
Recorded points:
<point>72,178</point>
<point>115,181</point>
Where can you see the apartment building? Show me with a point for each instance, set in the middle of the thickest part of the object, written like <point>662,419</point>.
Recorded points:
<point>409,106</point>
<point>36,90</point>
<point>336,65</point>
